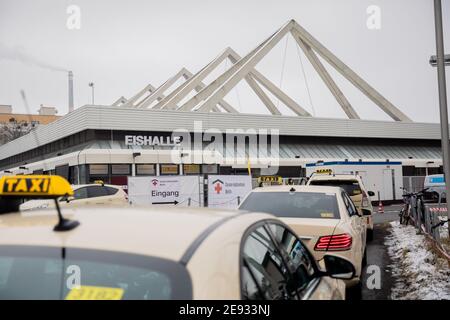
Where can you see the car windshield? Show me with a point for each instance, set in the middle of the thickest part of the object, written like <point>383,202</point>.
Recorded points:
<point>32,272</point>
<point>350,186</point>
<point>293,204</point>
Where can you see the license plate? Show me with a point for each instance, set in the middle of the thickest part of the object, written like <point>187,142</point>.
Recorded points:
<point>95,293</point>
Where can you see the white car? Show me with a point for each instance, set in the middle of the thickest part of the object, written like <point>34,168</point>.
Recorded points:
<point>325,218</point>
<point>354,186</point>
<point>154,253</point>
<point>84,194</point>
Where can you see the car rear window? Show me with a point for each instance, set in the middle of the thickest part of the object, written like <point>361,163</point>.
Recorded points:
<point>111,191</point>
<point>293,204</point>
<point>350,186</point>
<point>32,272</point>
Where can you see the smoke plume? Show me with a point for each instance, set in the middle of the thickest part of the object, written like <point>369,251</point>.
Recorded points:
<point>18,53</point>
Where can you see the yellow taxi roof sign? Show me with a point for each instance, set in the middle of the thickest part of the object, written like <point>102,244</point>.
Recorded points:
<point>324,171</point>
<point>35,186</point>
<point>270,179</point>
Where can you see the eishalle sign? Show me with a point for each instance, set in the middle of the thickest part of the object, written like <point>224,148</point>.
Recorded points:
<point>131,140</point>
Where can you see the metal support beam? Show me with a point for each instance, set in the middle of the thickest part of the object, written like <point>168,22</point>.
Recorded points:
<point>277,92</point>
<point>262,95</point>
<point>351,76</point>
<point>162,88</point>
<point>243,67</point>
<point>209,89</point>
<point>225,105</point>
<point>176,96</point>
<point>122,100</point>
<point>326,78</point>
<point>130,102</point>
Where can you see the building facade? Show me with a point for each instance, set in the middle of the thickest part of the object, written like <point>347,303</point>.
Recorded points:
<point>111,143</point>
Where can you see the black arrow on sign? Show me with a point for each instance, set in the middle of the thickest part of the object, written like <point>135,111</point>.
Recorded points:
<point>172,202</point>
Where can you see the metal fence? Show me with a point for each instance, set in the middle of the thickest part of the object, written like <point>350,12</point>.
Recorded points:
<point>432,220</point>
<point>413,183</point>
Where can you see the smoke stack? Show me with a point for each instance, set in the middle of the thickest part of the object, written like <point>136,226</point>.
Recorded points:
<point>70,91</point>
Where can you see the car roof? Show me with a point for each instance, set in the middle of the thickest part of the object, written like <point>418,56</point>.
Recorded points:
<point>78,186</point>
<point>298,188</point>
<point>153,231</point>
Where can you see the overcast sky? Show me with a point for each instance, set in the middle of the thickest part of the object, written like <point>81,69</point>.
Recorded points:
<point>124,45</point>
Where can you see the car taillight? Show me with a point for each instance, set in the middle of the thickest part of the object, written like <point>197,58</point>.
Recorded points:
<point>337,242</point>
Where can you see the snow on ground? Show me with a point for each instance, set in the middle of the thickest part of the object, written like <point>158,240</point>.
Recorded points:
<point>417,271</point>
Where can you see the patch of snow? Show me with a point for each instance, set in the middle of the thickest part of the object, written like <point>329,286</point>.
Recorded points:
<point>419,273</point>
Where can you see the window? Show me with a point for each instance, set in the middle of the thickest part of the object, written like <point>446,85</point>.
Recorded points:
<point>209,168</point>
<point>145,169</point>
<point>191,169</point>
<point>351,209</point>
<point>122,169</point>
<point>80,193</point>
<point>42,273</point>
<point>62,171</point>
<point>169,169</point>
<point>98,169</point>
<point>294,205</point>
<point>97,191</point>
<point>111,191</point>
<point>263,267</point>
<point>249,288</point>
<point>290,171</point>
<point>350,186</point>
<point>300,262</point>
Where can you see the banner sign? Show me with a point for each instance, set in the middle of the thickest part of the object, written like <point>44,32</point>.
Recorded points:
<point>227,191</point>
<point>166,190</point>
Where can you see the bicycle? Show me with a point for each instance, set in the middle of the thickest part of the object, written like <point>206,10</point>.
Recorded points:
<point>440,223</point>
<point>405,212</point>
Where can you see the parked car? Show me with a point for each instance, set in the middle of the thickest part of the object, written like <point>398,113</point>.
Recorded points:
<point>355,188</point>
<point>85,194</point>
<point>155,253</point>
<point>324,218</point>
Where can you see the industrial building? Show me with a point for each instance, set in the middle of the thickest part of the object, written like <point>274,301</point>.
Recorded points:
<point>101,142</point>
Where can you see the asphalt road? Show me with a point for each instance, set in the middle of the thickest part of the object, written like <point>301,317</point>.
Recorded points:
<point>377,256</point>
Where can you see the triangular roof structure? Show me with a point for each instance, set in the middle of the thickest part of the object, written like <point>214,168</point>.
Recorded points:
<point>210,97</point>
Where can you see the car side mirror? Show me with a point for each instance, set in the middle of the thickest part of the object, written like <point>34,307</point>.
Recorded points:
<point>338,267</point>
<point>371,193</point>
<point>366,212</point>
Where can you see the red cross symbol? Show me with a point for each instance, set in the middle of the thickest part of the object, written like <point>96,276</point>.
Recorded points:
<point>218,187</point>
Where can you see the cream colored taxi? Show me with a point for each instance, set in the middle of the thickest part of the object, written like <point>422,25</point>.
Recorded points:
<point>354,186</point>
<point>153,253</point>
<point>83,194</point>
<point>324,218</point>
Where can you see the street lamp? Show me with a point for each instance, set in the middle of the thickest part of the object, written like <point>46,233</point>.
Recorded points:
<point>442,99</point>
<point>91,84</point>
